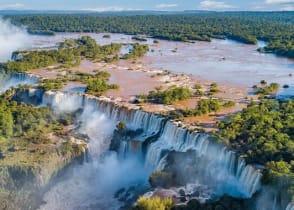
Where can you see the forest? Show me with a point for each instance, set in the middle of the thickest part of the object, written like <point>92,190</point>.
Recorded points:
<point>69,54</point>
<point>18,120</point>
<point>32,141</point>
<point>263,134</point>
<point>273,27</point>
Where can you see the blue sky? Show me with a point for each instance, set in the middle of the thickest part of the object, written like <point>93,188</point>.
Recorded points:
<point>172,5</point>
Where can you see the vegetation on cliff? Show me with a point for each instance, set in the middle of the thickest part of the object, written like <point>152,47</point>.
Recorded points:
<point>33,148</point>
<point>263,134</point>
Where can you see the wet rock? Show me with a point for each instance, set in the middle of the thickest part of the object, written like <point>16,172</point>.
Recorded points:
<point>119,192</point>
<point>182,192</point>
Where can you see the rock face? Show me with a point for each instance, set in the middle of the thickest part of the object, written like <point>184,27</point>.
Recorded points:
<point>30,96</point>
<point>16,79</point>
<point>22,186</point>
<point>225,203</point>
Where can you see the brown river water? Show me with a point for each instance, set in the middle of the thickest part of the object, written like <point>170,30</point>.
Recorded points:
<point>223,61</point>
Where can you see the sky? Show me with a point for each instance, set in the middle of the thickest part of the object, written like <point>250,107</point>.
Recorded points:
<point>162,5</point>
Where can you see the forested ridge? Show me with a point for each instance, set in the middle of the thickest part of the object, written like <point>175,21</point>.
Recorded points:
<point>274,27</point>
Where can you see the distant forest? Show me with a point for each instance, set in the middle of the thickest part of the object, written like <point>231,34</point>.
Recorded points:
<point>276,28</point>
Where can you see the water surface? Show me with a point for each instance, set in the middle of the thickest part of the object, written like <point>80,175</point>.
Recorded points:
<point>223,61</point>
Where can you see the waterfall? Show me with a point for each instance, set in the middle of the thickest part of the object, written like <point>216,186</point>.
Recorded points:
<point>290,206</point>
<point>178,139</point>
<point>170,138</point>
<point>16,79</point>
<point>63,101</point>
<point>222,163</point>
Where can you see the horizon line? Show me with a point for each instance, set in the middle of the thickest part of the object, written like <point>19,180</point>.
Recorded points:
<point>135,10</point>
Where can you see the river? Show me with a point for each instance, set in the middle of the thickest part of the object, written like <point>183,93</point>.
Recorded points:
<point>223,61</point>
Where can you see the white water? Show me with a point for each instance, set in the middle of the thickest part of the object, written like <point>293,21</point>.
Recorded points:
<point>221,165</point>
<point>15,80</point>
<point>93,184</point>
<point>12,38</point>
<point>290,206</point>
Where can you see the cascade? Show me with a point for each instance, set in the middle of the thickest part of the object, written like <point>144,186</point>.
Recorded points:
<point>63,101</point>
<point>178,139</point>
<point>168,137</point>
<point>17,79</point>
<point>290,206</point>
<point>220,164</point>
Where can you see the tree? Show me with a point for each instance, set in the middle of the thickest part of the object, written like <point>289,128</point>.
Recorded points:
<point>121,126</point>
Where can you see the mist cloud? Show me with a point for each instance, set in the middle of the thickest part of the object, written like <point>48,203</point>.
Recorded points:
<point>11,38</point>
<point>93,184</point>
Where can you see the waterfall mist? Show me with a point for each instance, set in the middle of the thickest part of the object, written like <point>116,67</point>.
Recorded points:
<point>12,38</point>
<point>14,80</point>
<point>92,185</point>
<point>200,164</point>
<point>213,164</point>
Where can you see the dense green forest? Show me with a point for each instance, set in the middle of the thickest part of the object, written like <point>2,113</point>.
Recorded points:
<point>68,55</point>
<point>34,146</point>
<point>97,84</point>
<point>26,122</point>
<point>274,27</point>
<point>25,126</point>
<point>168,96</point>
<point>264,133</point>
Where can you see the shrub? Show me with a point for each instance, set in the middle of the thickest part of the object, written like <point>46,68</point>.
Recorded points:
<point>154,203</point>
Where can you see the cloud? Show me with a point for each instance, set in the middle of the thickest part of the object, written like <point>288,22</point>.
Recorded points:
<point>279,1</point>
<point>214,5</point>
<point>288,8</point>
<point>12,38</point>
<point>110,9</point>
<point>286,5</point>
<point>162,6</point>
<point>11,6</point>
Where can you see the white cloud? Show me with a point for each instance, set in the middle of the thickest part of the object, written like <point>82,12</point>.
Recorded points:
<point>160,6</point>
<point>288,8</point>
<point>286,5</point>
<point>11,6</point>
<point>214,5</point>
<point>110,9</point>
<point>279,1</point>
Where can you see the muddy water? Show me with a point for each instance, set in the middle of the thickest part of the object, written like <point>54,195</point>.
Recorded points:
<point>223,61</point>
